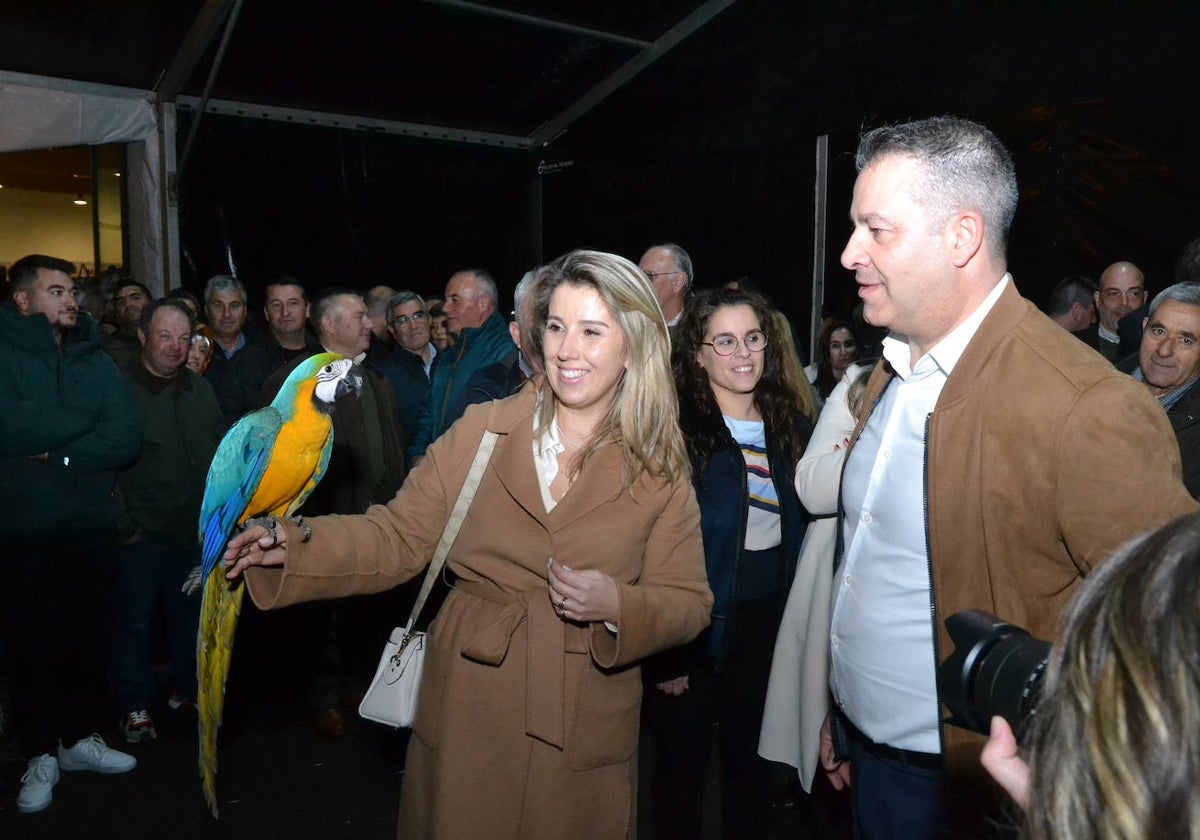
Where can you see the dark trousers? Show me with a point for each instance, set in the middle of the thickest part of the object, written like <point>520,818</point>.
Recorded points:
<point>891,799</point>
<point>56,604</point>
<point>682,731</point>
<point>148,571</point>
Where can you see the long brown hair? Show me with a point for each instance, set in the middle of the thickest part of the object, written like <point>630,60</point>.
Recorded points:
<point>1116,739</point>
<point>774,396</point>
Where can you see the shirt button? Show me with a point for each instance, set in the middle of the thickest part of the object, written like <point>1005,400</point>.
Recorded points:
<point>866,518</point>
<point>887,454</point>
<point>834,640</point>
<point>848,580</point>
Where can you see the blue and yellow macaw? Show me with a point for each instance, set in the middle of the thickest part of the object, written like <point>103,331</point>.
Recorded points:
<point>266,465</point>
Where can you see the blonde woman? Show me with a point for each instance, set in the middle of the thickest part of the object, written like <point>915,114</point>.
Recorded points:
<point>1114,750</point>
<point>580,555</point>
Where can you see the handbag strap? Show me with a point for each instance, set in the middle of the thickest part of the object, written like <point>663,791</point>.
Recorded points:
<point>450,533</point>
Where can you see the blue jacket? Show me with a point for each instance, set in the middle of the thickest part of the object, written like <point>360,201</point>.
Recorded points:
<point>476,348</point>
<point>70,403</point>
<point>724,503</point>
<point>720,485</point>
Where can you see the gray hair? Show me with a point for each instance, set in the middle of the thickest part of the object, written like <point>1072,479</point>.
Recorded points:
<point>682,260</point>
<point>966,168</point>
<point>223,283</point>
<point>486,283</point>
<point>376,299</point>
<point>326,302</point>
<point>401,298</point>
<point>1072,289</point>
<point>523,287</point>
<point>1187,292</point>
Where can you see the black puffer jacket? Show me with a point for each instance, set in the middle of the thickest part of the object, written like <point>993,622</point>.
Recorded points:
<point>70,403</point>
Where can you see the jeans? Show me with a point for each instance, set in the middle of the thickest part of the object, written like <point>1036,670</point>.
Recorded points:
<point>146,572</point>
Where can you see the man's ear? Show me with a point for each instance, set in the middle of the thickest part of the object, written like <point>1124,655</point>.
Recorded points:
<point>966,237</point>
<point>141,336</point>
<point>514,332</point>
<point>20,299</point>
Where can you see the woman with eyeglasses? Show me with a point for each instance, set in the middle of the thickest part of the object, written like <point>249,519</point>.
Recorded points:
<point>745,428</point>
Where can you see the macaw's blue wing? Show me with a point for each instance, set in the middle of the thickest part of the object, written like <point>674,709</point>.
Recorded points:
<point>237,468</point>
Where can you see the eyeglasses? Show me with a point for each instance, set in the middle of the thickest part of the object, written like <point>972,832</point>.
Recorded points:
<point>650,275</point>
<point>417,317</point>
<point>726,344</point>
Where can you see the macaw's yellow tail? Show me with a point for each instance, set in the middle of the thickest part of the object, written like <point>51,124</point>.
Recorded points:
<point>214,645</point>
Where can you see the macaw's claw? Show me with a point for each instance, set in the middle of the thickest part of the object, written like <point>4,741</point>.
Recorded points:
<point>191,584</point>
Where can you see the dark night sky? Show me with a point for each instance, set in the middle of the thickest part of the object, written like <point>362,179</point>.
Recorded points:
<point>711,147</point>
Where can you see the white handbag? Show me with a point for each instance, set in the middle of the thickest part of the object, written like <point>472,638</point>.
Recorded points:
<point>391,698</point>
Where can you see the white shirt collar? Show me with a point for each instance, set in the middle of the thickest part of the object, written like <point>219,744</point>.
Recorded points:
<point>946,353</point>
<point>358,360</point>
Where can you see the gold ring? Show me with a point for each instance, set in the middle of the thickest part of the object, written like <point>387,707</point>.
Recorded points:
<point>562,605</point>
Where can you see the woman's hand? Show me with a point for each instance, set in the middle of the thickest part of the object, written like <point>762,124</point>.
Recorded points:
<point>587,595</point>
<point>262,542</point>
<point>1003,763</point>
<point>673,687</point>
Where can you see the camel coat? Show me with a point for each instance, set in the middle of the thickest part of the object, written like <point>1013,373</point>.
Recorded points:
<point>1041,460</point>
<point>798,691</point>
<point>527,725</point>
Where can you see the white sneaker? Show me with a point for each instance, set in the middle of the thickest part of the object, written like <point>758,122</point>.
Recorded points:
<point>37,785</point>
<point>91,753</point>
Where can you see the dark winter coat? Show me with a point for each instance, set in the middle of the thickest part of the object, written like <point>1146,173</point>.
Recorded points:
<point>71,404</point>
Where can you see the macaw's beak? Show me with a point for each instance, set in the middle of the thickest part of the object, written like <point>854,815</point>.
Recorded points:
<point>351,383</point>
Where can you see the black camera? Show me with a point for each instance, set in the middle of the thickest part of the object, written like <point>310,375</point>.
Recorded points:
<point>995,669</point>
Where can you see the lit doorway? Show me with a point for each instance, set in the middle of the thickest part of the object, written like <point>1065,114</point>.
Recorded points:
<point>68,203</point>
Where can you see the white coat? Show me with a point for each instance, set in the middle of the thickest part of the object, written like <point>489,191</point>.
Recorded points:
<point>798,691</point>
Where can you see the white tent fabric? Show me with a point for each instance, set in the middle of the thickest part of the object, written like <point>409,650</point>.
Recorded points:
<point>37,112</point>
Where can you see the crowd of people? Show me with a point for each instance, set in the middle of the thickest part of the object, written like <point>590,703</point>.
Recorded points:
<point>680,526</point>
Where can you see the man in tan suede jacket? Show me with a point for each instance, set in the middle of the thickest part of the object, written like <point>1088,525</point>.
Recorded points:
<point>999,461</point>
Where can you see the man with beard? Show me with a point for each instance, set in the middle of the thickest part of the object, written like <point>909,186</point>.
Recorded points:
<point>68,425</point>
<point>129,297</point>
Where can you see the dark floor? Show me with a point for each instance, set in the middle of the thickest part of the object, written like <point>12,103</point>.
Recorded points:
<point>277,778</point>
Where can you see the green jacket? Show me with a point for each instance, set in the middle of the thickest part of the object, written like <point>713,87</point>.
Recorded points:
<point>70,403</point>
<point>181,426</point>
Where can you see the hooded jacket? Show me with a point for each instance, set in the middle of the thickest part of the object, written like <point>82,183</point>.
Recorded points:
<point>70,403</point>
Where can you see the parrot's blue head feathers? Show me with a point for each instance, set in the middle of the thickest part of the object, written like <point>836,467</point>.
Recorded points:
<point>335,375</point>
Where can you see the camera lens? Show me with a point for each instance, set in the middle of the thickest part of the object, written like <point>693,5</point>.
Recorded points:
<point>995,669</point>
<point>1008,680</point>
